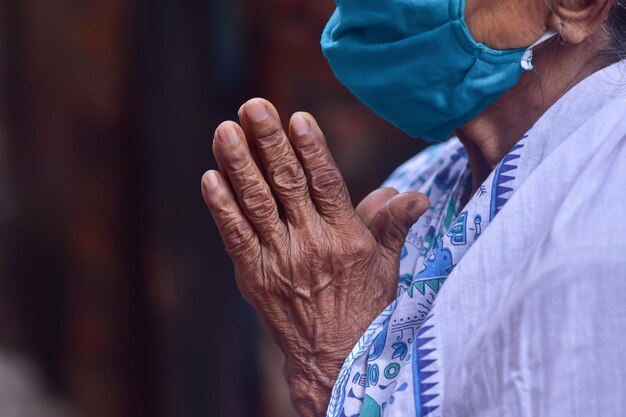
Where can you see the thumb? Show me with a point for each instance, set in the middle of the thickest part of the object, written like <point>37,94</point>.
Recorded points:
<point>395,219</point>
<point>374,203</point>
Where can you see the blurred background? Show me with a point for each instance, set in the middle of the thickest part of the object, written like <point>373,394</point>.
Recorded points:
<point>116,296</point>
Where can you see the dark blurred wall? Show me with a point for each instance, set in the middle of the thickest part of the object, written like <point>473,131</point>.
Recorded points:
<point>117,282</point>
<point>76,260</point>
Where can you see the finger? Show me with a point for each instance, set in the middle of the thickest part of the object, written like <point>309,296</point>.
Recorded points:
<point>326,185</point>
<point>237,233</point>
<point>248,185</point>
<point>373,203</point>
<point>263,128</point>
<point>393,222</point>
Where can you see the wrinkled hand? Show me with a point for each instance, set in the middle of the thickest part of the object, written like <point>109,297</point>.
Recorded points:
<point>317,270</point>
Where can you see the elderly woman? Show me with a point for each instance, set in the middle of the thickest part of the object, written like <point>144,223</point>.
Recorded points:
<point>488,276</point>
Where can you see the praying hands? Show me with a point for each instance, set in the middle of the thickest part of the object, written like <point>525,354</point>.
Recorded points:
<point>316,269</point>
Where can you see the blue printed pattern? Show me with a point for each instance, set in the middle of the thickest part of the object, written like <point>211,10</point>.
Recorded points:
<point>423,378</point>
<point>502,180</point>
<point>394,366</point>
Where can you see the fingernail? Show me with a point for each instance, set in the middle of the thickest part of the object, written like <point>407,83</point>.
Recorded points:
<point>228,135</point>
<point>300,125</point>
<point>256,111</point>
<point>211,181</point>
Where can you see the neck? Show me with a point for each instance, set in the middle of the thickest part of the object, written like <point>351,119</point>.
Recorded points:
<point>490,135</point>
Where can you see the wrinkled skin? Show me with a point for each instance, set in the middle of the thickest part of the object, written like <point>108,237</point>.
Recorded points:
<point>317,270</point>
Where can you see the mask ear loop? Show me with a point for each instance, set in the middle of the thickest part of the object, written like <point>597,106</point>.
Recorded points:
<point>527,62</point>
<point>527,59</point>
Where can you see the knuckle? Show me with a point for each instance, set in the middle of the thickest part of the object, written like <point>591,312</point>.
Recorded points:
<point>289,178</point>
<point>404,212</point>
<point>310,148</point>
<point>393,234</point>
<point>250,283</point>
<point>339,200</point>
<point>325,179</point>
<point>396,230</point>
<point>219,204</point>
<point>257,200</point>
<point>237,236</point>
<point>328,186</point>
<point>269,135</point>
<point>238,161</point>
<point>360,247</point>
<point>353,249</point>
<point>367,248</point>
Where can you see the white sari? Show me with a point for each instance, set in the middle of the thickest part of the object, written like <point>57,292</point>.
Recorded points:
<point>513,304</point>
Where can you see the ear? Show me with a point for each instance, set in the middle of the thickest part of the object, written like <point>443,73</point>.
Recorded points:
<point>576,20</point>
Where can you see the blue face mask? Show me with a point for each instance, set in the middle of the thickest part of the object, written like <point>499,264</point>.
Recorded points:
<point>415,63</point>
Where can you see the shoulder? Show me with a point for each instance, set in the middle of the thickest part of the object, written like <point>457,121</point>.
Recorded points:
<point>587,237</point>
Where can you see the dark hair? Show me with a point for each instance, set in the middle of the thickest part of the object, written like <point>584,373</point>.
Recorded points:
<point>616,27</point>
